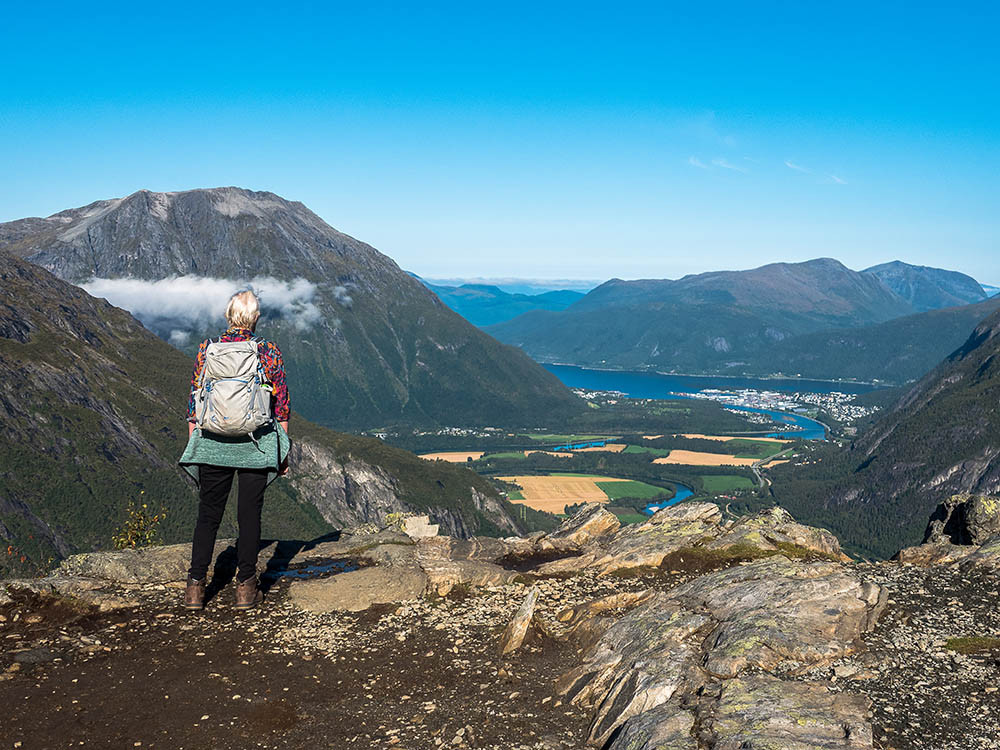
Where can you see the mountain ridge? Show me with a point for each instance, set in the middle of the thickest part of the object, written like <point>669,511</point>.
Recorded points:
<point>928,288</point>
<point>487,304</point>
<point>816,319</point>
<point>379,348</point>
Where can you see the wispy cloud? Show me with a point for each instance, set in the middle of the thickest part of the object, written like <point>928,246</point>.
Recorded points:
<point>174,308</point>
<point>694,161</point>
<point>797,167</point>
<point>711,131</point>
<point>837,180</point>
<point>725,164</point>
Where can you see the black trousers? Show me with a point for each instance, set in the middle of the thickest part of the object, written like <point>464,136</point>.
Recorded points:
<point>215,483</point>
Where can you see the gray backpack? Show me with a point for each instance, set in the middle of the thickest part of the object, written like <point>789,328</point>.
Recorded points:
<point>233,396</point>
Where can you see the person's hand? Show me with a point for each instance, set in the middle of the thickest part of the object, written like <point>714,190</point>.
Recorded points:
<point>283,469</point>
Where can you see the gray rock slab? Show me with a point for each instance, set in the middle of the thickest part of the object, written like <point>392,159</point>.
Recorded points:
<point>358,590</point>
<point>771,528</point>
<point>517,629</point>
<point>419,527</point>
<point>765,713</point>
<point>589,524</point>
<point>665,727</point>
<point>144,565</point>
<point>648,544</point>
<point>435,558</point>
<point>775,615</point>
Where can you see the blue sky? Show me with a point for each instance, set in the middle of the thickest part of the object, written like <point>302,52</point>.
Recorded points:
<point>539,140</point>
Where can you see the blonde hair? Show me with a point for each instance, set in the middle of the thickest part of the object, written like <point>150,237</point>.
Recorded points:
<point>243,309</point>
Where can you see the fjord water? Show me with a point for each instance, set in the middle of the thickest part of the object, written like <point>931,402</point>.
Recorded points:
<point>660,385</point>
<point>657,385</point>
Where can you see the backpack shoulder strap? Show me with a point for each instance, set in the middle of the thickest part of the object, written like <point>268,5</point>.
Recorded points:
<point>201,376</point>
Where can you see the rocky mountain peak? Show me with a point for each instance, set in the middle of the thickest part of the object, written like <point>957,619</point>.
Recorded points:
<point>366,344</point>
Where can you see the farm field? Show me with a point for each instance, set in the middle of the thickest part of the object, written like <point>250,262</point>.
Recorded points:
<point>727,438</point>
<point>697,458</point>
<point>630,488</point>
<point>555,438</point>
<point>755,448</point>
<point>509,454</point>
<point>455,457</point>
<point>554,492</point>
<point>647,450</point>
<point>609,448</point>
<point>725,483</point>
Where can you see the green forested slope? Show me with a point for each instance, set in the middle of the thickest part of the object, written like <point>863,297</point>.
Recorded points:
<point>92,413</point>
<point>941,438</point>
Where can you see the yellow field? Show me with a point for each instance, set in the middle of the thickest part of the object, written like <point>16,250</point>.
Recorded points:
<point>609,448</point>
<point>696,458</point>
<point>554,493</point>
<point>455,457</point>
<point>550,453</point>
<point>651,437</point>
<point>727,438</point>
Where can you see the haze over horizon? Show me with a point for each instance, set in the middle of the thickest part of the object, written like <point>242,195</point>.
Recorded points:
<point>558,142</point>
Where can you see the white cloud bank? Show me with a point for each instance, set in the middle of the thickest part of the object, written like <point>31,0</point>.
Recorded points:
<point>174,308</point>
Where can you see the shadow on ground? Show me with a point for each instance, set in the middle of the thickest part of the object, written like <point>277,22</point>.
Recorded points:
<point>285,550</point>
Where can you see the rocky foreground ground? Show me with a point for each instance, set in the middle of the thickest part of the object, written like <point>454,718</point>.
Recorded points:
<point>687,632</point>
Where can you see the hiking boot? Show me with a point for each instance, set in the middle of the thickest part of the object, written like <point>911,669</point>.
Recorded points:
<point>194,593</point>
<point>248,595</point>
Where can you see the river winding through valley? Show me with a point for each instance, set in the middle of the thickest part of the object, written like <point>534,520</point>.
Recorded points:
<point>663,386</point>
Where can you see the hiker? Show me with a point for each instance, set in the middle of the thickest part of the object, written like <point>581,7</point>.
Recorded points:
<point>237,425</point>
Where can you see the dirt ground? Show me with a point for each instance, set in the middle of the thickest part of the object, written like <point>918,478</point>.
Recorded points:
<point>426,674</point>
<point>160,677</point>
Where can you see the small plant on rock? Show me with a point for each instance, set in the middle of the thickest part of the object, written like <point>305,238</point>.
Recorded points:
<point>396,521</point>
<point>140,529</point>
<point>973,645</point>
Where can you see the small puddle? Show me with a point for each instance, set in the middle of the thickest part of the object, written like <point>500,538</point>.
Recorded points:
<point>313,569</point>
<point>525,564</point>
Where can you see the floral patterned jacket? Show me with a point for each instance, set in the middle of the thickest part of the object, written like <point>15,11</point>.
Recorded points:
<point>270,359</point>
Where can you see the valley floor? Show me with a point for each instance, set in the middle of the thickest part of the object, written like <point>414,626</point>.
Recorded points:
<point>426,674</point>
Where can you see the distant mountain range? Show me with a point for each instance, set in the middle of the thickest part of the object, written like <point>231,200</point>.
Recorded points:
<point>484,305</point>
<point>816,319</point>
<point>897,351</point>
<point>93,407</point>
<point>991,290</point>
<point>941,438</point>
<point>366,344</point>
<point>513,285</point>
<point>928,288</point>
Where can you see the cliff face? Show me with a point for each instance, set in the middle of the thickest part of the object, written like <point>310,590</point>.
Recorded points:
<point>93,408</point>
<point>941,439</point>
<point>366,344</point>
